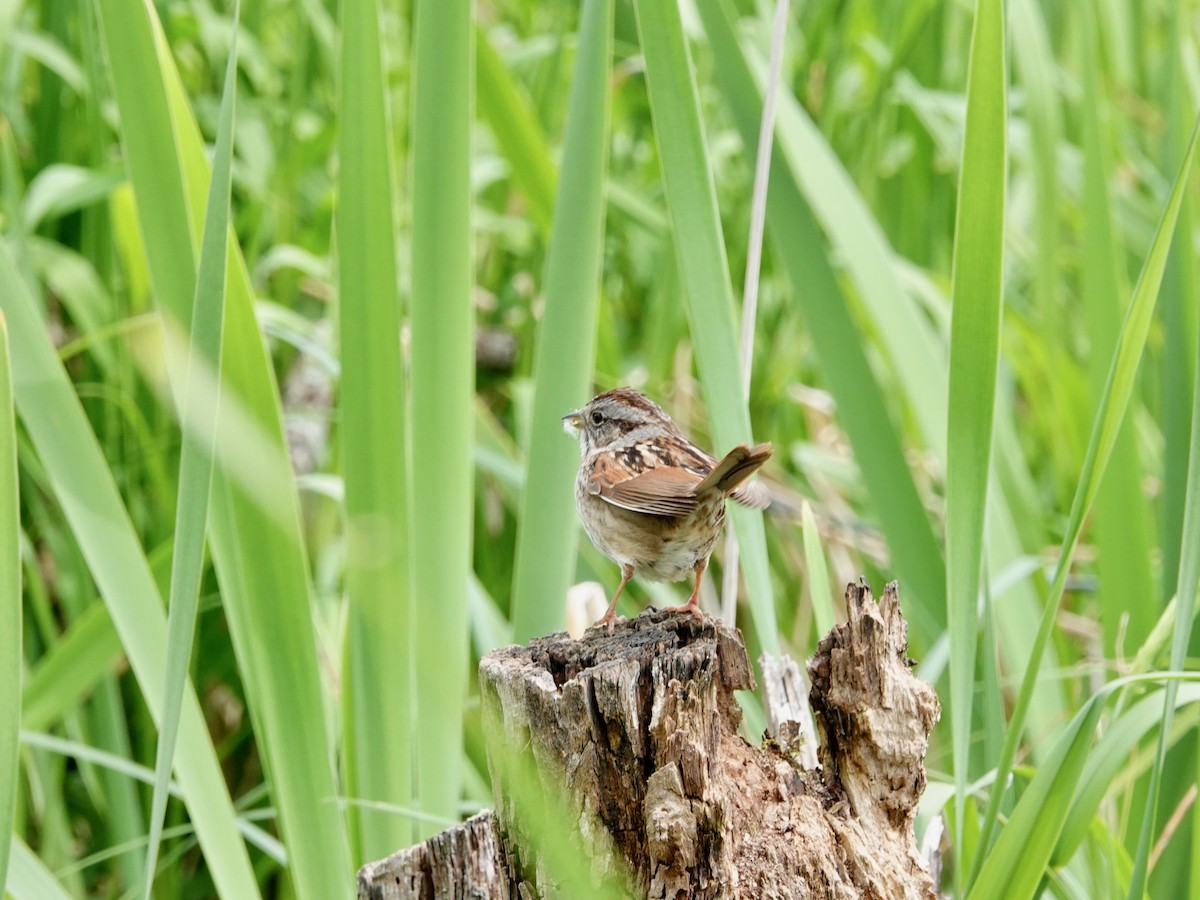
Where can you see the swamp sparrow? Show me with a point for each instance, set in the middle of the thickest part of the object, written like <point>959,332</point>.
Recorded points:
<point>650,499</point>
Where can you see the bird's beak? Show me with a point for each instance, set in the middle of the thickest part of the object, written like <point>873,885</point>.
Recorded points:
<point>573,421</point>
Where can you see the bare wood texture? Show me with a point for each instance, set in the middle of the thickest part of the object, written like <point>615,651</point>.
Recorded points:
<point>632,739</point>
<point>785,702</point>
<point>461,862</point>
<point>875,717</point>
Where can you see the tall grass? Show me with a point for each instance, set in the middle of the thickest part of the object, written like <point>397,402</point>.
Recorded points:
<point>442,320</point>
<point>257,546</point>
<point>10,605</point>
<point>566,342</point>
<point>379,722</point>
<point>72,461</point>
<point>1118,388</point>
<point>201,394</point>
<point>977,297</point>
<point>704,270</point>
<point>968,385</point>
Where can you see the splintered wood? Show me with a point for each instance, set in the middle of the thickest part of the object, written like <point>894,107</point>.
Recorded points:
<point>618,770</point>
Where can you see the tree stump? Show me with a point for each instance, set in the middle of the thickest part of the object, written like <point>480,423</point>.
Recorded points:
<point>633,739</point>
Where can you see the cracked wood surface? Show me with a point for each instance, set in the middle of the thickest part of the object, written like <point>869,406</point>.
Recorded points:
<point>633,741</point>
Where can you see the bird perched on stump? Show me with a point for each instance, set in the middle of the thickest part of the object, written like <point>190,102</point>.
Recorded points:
<point>650,499</point>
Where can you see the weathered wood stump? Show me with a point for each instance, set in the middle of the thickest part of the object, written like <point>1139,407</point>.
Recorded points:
<point>633,739</point>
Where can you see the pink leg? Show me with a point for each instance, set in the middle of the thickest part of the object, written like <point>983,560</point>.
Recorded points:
<point>693,604</point>
<point>609,616</point>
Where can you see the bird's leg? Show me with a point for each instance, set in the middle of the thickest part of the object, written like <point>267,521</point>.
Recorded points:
<point>610,615</point>
<point>693,604</point>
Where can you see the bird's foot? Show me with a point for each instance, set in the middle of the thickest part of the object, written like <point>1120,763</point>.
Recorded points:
<point>608,620</point>
<point>691,606</point>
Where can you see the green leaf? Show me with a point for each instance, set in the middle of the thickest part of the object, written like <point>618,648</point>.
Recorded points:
<point>704,272</point>
<point>1037,72</point>
<point>443,391</point>
<point>28,876</point>
<point>84,485</point>
<point>1108,759</point>
<point>61,189</point>
<point>974,357</point>
<point>1179,311</point>
<point>1185,600</point>
<point>510,114</point>
<point>254,531</point>
<point>547,532</point>
<point>10,600</point>
<point>1109,416</point>
<point>802,161</point>
<point>196,455</point>
<point>819,590</point>
<point>378,722</point>
<point>70,668</point>
<point>1017,863</point>
<point>1121,519</point>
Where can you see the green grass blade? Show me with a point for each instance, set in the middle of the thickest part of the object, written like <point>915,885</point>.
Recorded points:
<point>255,538</point>
<point>443,392</point>
<point>196,455</point>
<point>511,117</point>
<point>1120,522</point>
<point>1018,862</point>
<point>819,590</point>
<point>28,876</point>
<point>1179,320</point>
<point>1109,758</point>
<point>110,728</point>
<point>974,357</point>
<point>1194,869</point>
<point>68,450</point>
<point>378,717</point>
<point>548,535</point>
<point>752,279</point>
<point>704,271</point>
<point>10,602</point>
<point>553,833</point>
<point>1185,606</point>
<point>1111,412</point>
<point>909,340</point>
<point>120,765</point>
<point>70,668</point>
<point>1179,312</point>
<point>1037,72</point>
<point>862,409</point>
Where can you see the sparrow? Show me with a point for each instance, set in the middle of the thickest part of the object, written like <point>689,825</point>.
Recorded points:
<point>650,499</point>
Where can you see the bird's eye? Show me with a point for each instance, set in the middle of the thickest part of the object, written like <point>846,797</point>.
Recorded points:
<point>597,418</point>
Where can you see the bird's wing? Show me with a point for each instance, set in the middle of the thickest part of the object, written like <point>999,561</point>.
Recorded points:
<point>658,491</point>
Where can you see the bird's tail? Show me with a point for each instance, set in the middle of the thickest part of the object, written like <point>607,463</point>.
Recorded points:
<point>729,474</point>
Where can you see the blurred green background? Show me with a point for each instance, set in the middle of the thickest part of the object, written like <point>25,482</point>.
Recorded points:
<point>450,223</point>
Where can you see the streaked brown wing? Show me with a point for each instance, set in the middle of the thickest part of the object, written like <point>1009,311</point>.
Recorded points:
<point>653,454</point>
<point>660,491</point>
